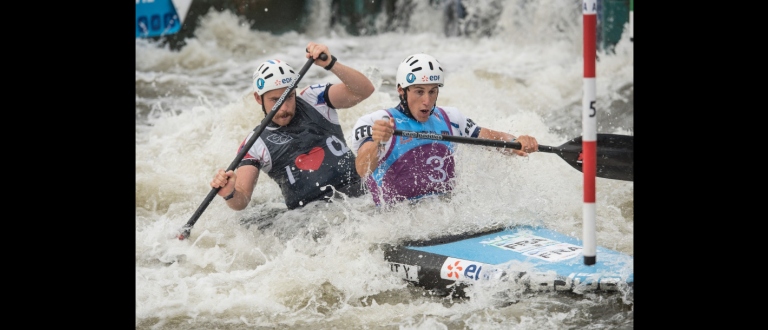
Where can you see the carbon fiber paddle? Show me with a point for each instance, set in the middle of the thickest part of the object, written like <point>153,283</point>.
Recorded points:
<point>615,152</point>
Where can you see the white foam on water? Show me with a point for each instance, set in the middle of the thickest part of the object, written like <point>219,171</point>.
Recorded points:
<point>322,264</point>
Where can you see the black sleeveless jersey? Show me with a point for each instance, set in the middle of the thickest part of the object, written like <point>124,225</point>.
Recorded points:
<point>306,156</point>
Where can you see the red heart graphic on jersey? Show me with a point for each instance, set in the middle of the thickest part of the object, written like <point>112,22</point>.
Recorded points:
<point>311,160</point>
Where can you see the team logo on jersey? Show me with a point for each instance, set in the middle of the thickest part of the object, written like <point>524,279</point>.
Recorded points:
<point>260,83</point>
<point>279,138</point>
<point>470,124</point>
<point>410,77</point>
<point>312,160</point>
<point>363,132</point>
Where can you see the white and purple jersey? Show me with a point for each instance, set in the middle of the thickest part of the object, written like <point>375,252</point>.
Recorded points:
<point>410,168</point>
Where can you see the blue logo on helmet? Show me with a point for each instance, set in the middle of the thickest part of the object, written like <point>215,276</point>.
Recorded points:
<point>260,83</point>
<point>410,77</point>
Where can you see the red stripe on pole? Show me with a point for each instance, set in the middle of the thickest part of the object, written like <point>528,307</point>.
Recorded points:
<point>589,167</point>
<point>590,36</point>
<point>588,124</point>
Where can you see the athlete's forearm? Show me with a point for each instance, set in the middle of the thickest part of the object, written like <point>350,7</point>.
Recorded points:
<point>367,159</point>
<point>247,177</point>
<point>357,87</point>
<point>239,201</point>
<point>490,134</point>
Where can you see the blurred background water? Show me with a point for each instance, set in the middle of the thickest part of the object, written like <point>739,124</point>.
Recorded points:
<point>511,65</point>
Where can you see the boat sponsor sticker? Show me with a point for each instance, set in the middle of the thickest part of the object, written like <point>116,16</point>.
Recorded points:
<point>460,269</point>
<point>535,246</point>
<point>408,272</point>
<point>465,270</point>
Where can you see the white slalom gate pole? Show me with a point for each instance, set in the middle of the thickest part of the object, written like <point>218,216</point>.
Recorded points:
<point>589,128</point>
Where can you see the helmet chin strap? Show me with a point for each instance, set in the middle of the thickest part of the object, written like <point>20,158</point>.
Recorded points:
<point>403,107</point>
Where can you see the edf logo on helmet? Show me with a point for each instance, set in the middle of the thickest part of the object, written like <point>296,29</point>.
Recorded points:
<point>278,82</point>
<point>410,78</point>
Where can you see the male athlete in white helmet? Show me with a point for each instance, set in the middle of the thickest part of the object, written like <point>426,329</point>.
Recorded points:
<point>303,149</point>
<point>404,168</point>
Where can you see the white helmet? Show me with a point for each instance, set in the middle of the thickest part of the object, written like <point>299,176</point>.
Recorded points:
<point>419,69</point>
<point>273,74</point>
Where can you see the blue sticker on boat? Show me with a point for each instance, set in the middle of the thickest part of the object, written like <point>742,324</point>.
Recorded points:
<point>156,18</point>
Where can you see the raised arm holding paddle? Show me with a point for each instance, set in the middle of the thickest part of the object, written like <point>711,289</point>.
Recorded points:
<point>300,143</point>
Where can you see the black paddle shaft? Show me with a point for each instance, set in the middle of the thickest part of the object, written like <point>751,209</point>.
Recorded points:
<point>615,152</point>
<point>185,231</point>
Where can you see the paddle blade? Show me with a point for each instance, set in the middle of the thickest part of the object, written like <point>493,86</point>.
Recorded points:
<point>615,155</point>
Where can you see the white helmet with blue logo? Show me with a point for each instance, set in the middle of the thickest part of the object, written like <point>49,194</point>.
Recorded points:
<point>419,69</point>
<point>273,74</point>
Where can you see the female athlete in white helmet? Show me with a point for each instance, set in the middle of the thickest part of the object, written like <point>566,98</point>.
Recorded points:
<point>303,149</point>
<point>403,168</point>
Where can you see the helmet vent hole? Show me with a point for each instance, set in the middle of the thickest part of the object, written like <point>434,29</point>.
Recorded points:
<point>416,69</point>
<point>281,70</point>
<point>268,76</point>
<point>430,66</point>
